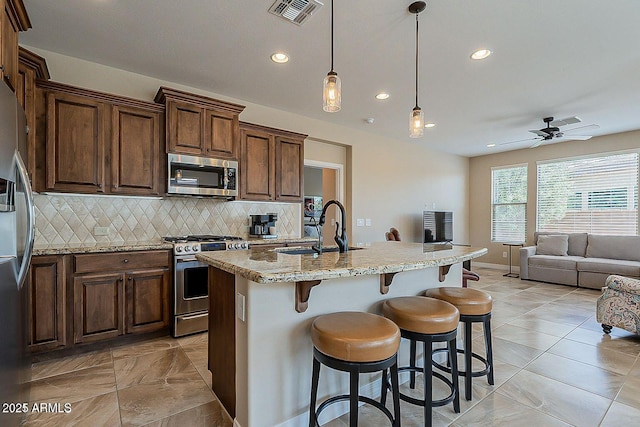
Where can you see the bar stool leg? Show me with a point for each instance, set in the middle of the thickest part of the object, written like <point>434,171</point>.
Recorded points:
<point>412,364</point>
<point>353,398</point>
<point>395,390</point>
<point>489,349</point>
<point>314,392</point>
<point>453,357</point>
<point>384,386</point>
<point>467,360</point>
<point>428,383</point>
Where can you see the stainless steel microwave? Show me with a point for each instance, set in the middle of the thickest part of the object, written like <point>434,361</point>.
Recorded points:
<point>202,176</point>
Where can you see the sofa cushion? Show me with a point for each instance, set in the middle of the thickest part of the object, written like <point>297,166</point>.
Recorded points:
<point>553,244</point>
<point>614,247</point>
<point>551,261</point>
<point>577,241</point>
<point>610,266</point>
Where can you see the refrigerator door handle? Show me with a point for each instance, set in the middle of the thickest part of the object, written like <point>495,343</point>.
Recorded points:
<point>28,250</point>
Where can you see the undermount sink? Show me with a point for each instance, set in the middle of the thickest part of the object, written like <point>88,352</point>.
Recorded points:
<point>305,251</point>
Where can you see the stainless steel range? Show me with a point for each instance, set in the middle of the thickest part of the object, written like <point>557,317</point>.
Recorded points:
<point>191,279</point>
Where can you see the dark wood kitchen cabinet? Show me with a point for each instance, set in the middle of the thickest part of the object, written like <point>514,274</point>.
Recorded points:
<point>200,126</point>
<point>47,312</point>
<point>30,68</point>
<point>120,293</point>
<point>14,19</point>
<point>99,143</point>
<point>271,164</point>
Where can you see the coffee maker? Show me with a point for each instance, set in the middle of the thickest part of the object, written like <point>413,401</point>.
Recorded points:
<point>263,226</point>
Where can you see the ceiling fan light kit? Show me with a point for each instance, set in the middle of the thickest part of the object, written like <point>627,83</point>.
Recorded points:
<point>331,86</point>
<point>416,117</point>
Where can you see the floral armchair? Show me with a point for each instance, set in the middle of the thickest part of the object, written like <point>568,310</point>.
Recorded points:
<point>619,304</point>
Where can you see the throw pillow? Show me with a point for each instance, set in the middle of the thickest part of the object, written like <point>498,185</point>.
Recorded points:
<point>552,244</point>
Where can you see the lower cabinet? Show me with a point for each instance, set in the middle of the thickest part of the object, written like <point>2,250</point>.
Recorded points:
<point>120,293</point>
<point>47,312</point>
<point>83,298</point>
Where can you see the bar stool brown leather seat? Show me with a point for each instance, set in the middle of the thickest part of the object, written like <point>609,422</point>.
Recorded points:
<point>357,343</point>
<point>427,320</point>
<point>474,306</point>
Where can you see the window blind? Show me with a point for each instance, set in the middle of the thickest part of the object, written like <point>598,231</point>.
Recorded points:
<point>597,195</point>
<point>509,204</point>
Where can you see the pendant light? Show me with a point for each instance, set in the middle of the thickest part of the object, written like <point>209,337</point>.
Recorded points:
<point>416,118</point>
<point>331,87</point>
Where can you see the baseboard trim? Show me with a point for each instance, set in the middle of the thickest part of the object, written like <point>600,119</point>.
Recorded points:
<point>514,269</point>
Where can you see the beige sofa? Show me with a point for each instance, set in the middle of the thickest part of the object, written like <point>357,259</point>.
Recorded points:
<point>580,259</point>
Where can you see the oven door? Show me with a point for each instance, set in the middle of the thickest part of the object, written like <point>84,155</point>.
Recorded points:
<point>191,286</point>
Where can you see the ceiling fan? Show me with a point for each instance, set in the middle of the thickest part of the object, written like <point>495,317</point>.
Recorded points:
<point>552,131</point>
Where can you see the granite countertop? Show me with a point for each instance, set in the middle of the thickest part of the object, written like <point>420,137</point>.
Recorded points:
<point>257,241</point>
<point>79,248</point>
<point>270,265</point>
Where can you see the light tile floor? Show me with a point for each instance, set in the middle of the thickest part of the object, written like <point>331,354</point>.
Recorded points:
<point>553,367</point>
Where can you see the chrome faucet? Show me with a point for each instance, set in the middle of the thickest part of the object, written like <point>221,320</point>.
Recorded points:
<point>341,237</point>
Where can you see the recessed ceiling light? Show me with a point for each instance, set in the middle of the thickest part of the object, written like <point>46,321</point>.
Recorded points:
<point>491,145</point>
<point>382,95</point>
<point>429,125</point>
<point>480,54</point>
<point>279,57</point>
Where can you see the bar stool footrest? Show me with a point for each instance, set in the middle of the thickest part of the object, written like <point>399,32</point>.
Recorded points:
<point>461,373</point>
<point>421,402</point>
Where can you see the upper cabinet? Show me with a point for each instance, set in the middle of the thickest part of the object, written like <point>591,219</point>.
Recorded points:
<point>200,126</point>
<point>13,20</point>
<point>30,68</point>
<point>271,164</point>
<point>99,143</point>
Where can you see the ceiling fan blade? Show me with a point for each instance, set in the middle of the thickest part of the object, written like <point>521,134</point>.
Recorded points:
<point>583,128</point>
<point>537,143</point>
<point>520,140</point>
<point>576,137</point>
<point>539,133</point>
<point>566,121</point>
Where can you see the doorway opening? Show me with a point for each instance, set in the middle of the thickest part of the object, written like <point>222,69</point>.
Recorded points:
<point>323,181</point>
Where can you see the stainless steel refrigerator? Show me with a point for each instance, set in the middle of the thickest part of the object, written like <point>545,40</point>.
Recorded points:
<point>17,223</point>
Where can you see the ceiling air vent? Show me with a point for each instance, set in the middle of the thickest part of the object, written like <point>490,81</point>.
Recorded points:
<point>295,11</point>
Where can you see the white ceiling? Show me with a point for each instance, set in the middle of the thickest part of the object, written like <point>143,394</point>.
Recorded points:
<point>551,58</point>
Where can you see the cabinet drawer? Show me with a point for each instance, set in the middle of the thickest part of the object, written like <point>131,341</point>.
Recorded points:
<point>118,261</point>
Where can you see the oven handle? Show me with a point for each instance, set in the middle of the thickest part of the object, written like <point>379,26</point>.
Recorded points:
<point>195,316</point>
<point>181,260</point>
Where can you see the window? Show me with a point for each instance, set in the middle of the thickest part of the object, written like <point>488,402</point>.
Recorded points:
<point>597,195</point>
<point>509,204</point>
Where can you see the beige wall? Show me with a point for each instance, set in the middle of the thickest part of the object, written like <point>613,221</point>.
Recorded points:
<point>387,180</point>
<point>480,187</point>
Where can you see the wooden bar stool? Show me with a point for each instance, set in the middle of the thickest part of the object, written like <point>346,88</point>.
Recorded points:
<point>427,320</point>
<point>357,343</point>
<point>474,306</point>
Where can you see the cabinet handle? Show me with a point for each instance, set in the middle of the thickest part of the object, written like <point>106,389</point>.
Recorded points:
<point>130,278</point>
<point>125,260</point>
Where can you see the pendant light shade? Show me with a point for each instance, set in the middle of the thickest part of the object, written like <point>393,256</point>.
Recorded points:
<point>331,86</point>
<point>416,118</point>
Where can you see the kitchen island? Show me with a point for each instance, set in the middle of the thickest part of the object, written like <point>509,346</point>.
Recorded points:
<point>262,303</point>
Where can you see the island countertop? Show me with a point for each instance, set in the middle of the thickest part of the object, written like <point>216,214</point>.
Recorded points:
<point>272,266</point>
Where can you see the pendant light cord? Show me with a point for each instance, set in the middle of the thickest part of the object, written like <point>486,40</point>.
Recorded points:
<point>416,58</point>
<point>332,36</point>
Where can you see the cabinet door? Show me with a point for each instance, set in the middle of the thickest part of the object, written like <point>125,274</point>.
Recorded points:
<point>9,47</point>
<point>289,169</point>
<point>135,151</point>
<point>76,130</point>
<point>257,174</point>
<point>147,300</point>
<point>221,137</point>
<point>98,307</point>
<point>47,298</point>
<point>185,129</point>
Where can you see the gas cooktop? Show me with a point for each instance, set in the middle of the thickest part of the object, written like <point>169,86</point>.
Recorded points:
<point>200,238</point>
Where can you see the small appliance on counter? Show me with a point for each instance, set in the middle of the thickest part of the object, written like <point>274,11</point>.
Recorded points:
<point>263,226</point>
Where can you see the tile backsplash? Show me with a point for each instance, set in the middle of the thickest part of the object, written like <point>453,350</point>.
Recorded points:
<point>67,218</point>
